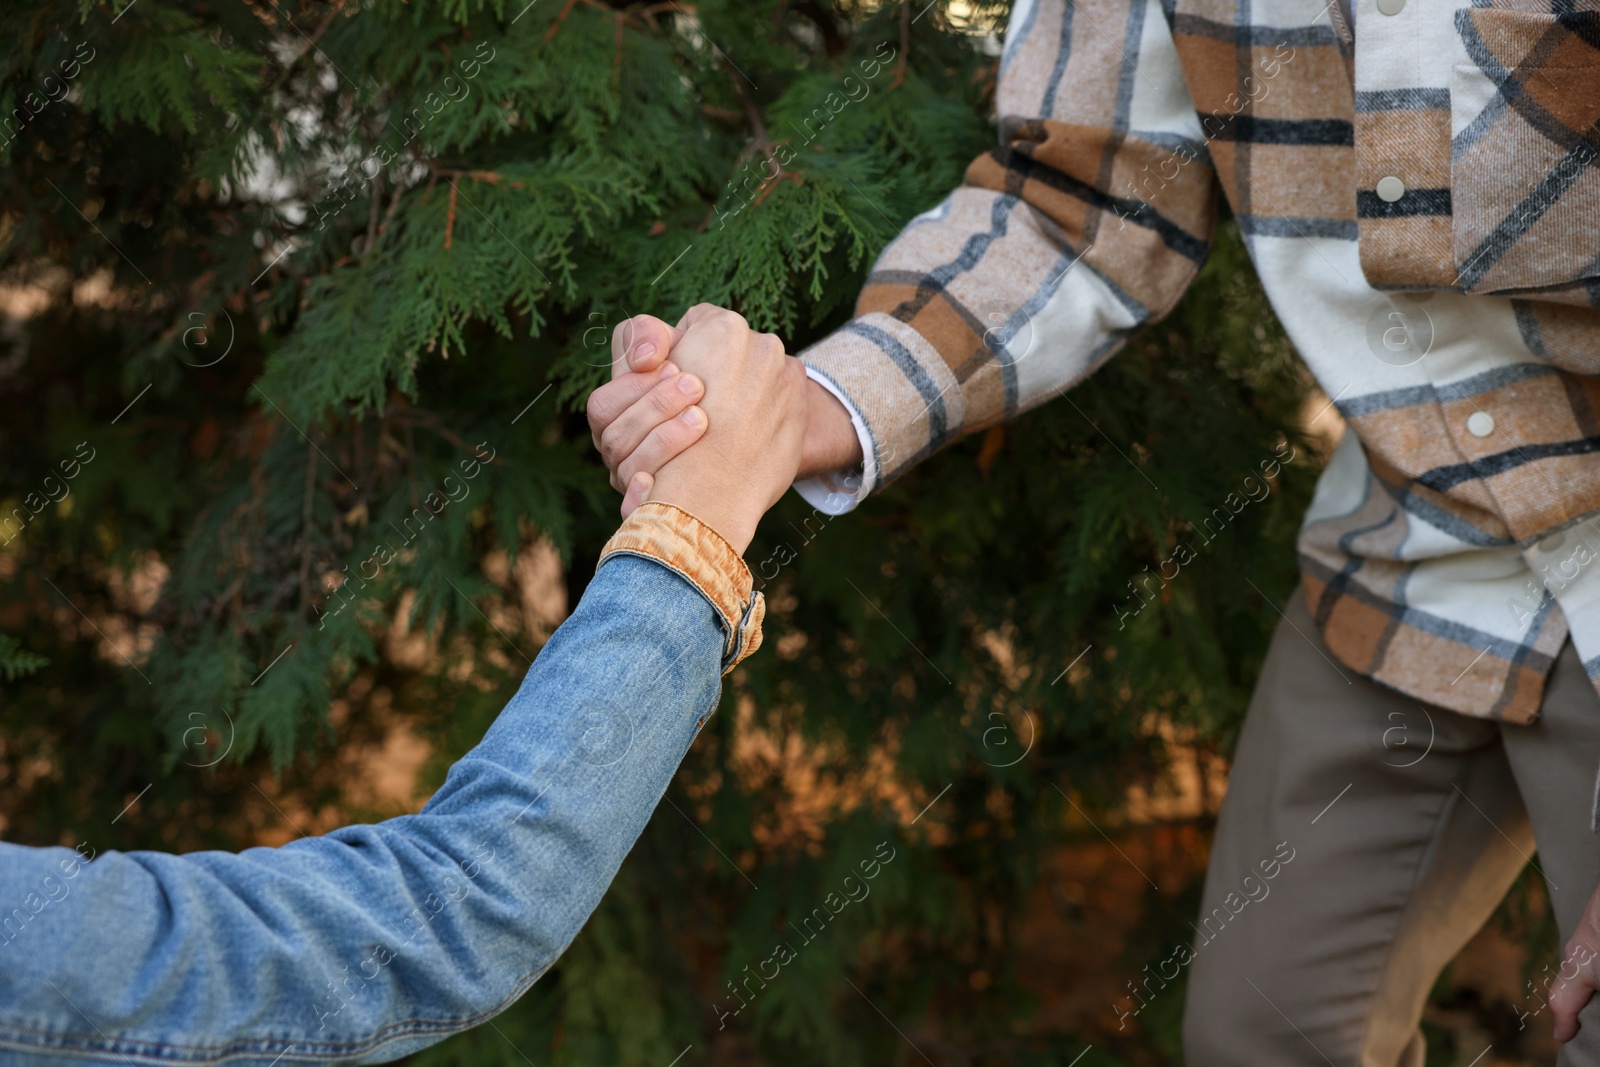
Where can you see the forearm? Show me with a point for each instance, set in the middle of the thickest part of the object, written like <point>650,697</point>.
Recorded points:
<point>374,941</point>
<point>1076,231</point>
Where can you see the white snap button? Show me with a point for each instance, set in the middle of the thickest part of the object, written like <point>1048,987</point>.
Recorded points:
<point>1391,7</point>
<point>1391,189</point>
<point>1480,424</point>
<point>1553,543</point>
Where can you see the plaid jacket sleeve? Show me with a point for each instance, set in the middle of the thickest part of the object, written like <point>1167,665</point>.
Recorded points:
<point>1086,223</point>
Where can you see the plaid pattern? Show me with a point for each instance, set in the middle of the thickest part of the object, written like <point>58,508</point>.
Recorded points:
<point>1525,128</point>
<point>1424,213</point>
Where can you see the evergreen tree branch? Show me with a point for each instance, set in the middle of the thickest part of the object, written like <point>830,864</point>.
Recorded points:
<point>375,201</point>
<point>905,44</point>
<point>306,520</point>
<point>309,46</point>
<point>762,144</point>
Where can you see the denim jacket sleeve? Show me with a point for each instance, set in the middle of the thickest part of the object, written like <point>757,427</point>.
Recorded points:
<point>374,941</point>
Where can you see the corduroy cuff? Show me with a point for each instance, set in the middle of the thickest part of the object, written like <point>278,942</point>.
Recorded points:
<point>690,548</point>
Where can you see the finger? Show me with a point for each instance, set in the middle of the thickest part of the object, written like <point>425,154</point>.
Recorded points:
<point>663,443</point>
<point>1567,998</point>
<point>661,404</point>
<point>638,492</point>
<point>640,344</point>
<point>706,313</point>
<point>688,318</point>
<point>618,395</point>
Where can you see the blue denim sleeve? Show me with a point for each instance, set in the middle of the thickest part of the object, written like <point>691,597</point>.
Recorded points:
<point>374,941</point>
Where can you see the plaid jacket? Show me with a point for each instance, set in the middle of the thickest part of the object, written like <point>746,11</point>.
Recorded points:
<point>1422,203</point>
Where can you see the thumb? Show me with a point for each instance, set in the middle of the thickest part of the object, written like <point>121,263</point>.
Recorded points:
<point>1569,996</point>
<point>641,344</point>
<point>638,492</point>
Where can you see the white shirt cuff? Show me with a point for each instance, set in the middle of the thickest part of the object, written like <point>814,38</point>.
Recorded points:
<point>842,490</point>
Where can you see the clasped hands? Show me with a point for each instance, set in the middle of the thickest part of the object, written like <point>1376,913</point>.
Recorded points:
<point>713,417</point>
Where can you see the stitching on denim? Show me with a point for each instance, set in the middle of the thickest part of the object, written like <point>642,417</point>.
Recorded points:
<point>78,1042</point>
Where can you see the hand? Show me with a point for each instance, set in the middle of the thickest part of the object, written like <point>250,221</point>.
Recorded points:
<point>645,416</point>
<point>631,418</point>
<point>1579,975</point>
<point>755,405</point>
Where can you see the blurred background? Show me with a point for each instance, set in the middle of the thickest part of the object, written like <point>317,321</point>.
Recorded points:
<point>270,271</point>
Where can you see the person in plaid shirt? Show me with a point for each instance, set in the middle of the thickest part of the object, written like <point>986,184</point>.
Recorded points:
<point>1422,203</point>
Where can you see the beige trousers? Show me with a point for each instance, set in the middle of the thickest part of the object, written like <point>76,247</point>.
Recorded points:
<point>1406,824</point>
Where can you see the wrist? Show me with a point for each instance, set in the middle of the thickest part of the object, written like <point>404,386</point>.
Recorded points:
<point>831,442</point>
<point>710,500</point>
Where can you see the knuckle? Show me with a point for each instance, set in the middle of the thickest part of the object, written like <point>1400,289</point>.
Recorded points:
<point>608,451</point>
<point>663,399</point>
<point>644,458</point>
<point>727,319</point>
<point>670,439</point>
<point>608,402</point>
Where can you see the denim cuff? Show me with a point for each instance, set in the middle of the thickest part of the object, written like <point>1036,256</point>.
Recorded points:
<point>699,555</point>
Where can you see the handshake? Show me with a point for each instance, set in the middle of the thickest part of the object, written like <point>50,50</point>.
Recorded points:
<point>714,418</point>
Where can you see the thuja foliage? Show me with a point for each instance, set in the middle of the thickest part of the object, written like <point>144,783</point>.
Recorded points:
<point>302,304</point>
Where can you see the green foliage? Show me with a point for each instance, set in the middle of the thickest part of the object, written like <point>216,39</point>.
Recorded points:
<point>323,288</point>
<point>16,661</point>
<point>167,70</point>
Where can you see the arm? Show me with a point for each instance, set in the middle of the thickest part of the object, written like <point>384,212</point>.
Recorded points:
<point>1085,225</point>
<point>374,941</point>
<point>1057,248</point>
